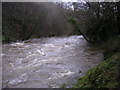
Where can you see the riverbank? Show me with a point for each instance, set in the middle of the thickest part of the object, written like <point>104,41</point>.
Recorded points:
<point>106,74</point>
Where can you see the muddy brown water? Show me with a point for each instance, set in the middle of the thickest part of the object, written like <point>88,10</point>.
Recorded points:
<point>47,62</point>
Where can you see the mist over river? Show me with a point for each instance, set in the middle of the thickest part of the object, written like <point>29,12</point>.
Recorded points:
<point>47,62</point>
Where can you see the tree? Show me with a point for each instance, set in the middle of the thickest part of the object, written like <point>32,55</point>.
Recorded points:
<point>20,20</point>
<point>96,21</point>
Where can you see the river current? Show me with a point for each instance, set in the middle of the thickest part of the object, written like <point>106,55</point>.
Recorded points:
<point>47,62</point>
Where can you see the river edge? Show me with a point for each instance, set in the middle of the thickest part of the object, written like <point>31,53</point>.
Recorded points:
<point>107,73</point>
<point>104,75</point>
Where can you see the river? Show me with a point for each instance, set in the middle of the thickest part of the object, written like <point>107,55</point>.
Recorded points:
<point>47,62</point>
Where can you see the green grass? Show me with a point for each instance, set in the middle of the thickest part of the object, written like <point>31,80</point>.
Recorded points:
<point>2,38</point>
<point>105,75</point>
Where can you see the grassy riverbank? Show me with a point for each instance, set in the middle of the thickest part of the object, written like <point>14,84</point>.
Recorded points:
<point>106,74</point>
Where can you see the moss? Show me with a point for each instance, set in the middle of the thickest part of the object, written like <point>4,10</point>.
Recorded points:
<point>105,75</point>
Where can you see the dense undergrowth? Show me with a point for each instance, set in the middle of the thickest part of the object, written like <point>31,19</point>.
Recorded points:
<point>106,74</point>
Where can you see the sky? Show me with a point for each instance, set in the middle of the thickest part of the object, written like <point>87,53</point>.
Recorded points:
<point>57,0</point>
<point>39,0</point>
<point>69,0</point>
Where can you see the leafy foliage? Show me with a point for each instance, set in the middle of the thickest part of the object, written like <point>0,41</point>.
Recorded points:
<point>97,21</point>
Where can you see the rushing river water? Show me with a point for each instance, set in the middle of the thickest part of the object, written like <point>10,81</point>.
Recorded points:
<point>47,62</point>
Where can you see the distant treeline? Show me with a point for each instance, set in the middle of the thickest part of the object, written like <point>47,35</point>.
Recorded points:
<point>96,21</point>
<point>23,20</point>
